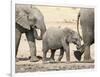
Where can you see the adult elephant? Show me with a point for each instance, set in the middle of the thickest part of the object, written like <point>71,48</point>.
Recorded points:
<point>27,19</point>
<point>86,16</point>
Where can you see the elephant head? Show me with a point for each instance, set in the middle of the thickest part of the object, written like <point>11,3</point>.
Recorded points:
<point>76,39</point>
<point>29,17</point>
<point>73,37</point>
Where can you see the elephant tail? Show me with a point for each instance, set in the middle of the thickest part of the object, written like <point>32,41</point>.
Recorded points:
<point>78,25</point>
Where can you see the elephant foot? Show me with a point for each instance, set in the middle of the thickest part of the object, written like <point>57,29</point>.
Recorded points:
<point>45,62</point>
<point>39,57</point>
<point>67,62</point>
<point>89,61</point>
<point>51,61</point>
<point>58,61</point>
<point>34,59</point>
<point>78,55</point>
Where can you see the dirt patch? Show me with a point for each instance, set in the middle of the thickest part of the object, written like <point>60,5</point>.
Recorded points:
<point>33,67</point>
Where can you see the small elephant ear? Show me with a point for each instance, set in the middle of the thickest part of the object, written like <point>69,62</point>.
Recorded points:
<point>69,36</point>
<point>21,19</point>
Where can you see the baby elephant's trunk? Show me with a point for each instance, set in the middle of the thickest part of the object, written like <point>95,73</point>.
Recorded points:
<point>78,53</point>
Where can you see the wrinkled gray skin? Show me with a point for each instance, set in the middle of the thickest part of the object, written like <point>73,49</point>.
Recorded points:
<point>86,16</point>
<point>56,38</point>
<point>28,19</point>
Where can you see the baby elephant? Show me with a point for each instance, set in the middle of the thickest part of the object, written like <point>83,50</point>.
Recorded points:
<point>56,38</point>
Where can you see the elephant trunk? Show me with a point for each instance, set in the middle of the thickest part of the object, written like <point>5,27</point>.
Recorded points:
<point>42,31</point>
<point>81,49</point>
<point>78,53</point>
<point>78,46</point>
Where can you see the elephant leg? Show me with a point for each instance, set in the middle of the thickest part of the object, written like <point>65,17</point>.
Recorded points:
<point>32,45</point>
<point>87,55</point>
<point>18,37</point>
<point>52,55</point>
<point>66,49</point>
<point>44,54</point>
<point>61,54</point>
<point>67,54</point>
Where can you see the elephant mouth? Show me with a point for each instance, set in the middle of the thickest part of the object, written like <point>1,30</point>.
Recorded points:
<point>34,26</point>
<point>77,45</point>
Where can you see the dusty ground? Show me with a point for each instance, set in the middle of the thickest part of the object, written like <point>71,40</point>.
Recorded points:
<point>54,17</point>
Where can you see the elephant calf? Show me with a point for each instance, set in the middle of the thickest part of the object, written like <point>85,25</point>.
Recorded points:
<point>56,38</point>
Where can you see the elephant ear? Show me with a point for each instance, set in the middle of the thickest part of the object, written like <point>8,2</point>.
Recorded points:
<point>69,36</point>
<point>21,19</point>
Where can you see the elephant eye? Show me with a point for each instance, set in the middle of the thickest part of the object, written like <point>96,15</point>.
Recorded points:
<point>34,19</point>
<point>29,17</point>
<point>34,26</point>
<point>75,39</point>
